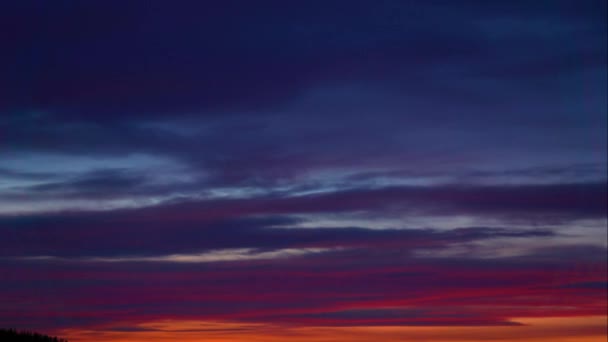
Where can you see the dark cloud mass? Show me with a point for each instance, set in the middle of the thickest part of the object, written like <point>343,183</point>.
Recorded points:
<point>301,165</point>
<point>132,59</point>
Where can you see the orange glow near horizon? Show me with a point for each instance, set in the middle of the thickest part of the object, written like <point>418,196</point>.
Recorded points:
<point>563,329</point>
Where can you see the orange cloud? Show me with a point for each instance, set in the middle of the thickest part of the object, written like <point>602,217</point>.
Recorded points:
<point>568,329</point>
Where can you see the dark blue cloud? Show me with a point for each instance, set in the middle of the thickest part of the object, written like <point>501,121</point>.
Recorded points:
<point>189,227</point>
<point>93,183</point>
<point>62,236</point>
<point>135,59</point>
<point>251,95</point>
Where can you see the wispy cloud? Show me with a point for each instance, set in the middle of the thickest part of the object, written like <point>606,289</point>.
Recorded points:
<point>234,254</point>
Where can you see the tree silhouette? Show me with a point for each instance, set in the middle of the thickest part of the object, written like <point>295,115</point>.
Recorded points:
<point>12,335</point>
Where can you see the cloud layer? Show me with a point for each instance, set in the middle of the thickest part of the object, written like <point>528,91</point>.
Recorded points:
<point>303,169</point>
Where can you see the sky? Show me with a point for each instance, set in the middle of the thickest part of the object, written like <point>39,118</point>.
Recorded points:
<point>304,170</point>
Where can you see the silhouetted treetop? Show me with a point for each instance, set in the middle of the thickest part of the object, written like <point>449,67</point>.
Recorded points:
<point>11,335</point>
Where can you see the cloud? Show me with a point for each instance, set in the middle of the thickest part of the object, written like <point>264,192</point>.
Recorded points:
<point>549,201</point>
<point>197,226</point>
<point>162,59</point>
<point>372,286</point>
<point>186,229</point>
<point>223,255</point>
<point>92,183</point>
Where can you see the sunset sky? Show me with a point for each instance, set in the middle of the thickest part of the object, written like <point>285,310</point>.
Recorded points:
<point>309,171</point>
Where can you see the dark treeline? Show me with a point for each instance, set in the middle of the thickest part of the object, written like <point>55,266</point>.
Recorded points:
<point>11,335</point>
